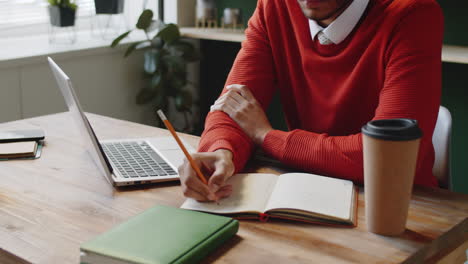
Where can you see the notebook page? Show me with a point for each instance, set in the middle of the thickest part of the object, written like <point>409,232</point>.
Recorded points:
<point>250,194</point>
<point>313,193</point>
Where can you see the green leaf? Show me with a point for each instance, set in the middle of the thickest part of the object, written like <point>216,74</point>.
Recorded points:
<point>119,38</point>
<point>169,33</point>
<point>179,75</point>
<point>161,101</point>
<point>156,82</point>
<point>183,101</point>
<point>178,83</point>
<point>151,61</point>
<point>144,21</point>
<point>145,95</point>
<point>131,48</point>
<point>73,6</point>
<point>193,56</point>
<point>152,91</point>
<point>174,63</point>
<point>174,86</point>
<point>183,46</point>
<point>187,49</point>
<point>157,42</point>
<point>63,4</point>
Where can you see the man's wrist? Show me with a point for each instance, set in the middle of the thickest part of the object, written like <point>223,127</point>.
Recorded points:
<point>225,152</point>
<point>261,136</point>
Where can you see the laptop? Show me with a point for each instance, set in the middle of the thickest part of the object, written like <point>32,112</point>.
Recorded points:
<point>124,161</point>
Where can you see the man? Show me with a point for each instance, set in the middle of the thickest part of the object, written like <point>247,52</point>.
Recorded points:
<point>337,64</point>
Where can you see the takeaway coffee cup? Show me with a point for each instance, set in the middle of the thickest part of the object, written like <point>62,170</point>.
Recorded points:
<point>390,154</point>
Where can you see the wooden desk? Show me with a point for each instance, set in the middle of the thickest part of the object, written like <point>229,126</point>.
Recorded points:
<point>51,205</point>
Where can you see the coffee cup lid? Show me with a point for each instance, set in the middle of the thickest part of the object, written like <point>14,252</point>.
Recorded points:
<point>398,129</point>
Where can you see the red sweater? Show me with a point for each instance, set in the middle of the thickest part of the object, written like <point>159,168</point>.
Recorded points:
<point>388,67</point>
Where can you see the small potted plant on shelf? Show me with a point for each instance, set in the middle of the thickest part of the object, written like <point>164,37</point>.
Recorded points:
<point>165,65</point>
<point>109,6</point>
<point>62,12</point>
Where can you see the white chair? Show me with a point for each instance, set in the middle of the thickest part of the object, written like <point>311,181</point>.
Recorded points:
<point>441,141</point>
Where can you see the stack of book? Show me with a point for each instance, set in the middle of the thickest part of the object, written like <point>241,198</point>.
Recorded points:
<point>21,144</point>
<point>13,150</point>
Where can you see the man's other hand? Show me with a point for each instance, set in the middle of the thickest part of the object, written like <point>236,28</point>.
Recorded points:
<point>217,167</point>
<point>239,103</point>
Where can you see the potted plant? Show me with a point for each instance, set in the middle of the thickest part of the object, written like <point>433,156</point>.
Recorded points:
<point>109,6</point>
<point>165,65</point>
<point>62,12</point>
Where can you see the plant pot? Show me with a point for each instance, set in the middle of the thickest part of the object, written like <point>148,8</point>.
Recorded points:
<point>62,16</point>
<point>109,6</point>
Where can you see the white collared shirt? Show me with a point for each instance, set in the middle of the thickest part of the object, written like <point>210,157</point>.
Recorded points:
<point>340,28</point>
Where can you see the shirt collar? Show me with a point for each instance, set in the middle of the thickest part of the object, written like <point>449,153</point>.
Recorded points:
<point>340,28</point>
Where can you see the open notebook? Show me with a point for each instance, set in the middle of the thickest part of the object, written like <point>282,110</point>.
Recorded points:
<point>294,196</point>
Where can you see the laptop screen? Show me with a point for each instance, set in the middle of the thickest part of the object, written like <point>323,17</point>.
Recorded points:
<point>90,140</point>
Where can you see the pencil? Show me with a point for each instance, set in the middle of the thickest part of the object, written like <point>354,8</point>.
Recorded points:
<point>181,145</point>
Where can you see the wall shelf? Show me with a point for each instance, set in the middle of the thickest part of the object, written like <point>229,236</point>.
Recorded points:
<point>450,53</point>
<point>456,54</point>
<point>213,34</point>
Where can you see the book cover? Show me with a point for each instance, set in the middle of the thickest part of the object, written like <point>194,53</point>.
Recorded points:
<point>160,235</point>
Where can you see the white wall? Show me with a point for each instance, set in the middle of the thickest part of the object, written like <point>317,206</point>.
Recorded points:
<point>106,83</point>
<point>10,95</point>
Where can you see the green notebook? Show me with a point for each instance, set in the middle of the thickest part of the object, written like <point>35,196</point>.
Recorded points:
<point>160,235</point>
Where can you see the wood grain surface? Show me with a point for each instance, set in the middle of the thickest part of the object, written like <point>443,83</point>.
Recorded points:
<point>51,205</point>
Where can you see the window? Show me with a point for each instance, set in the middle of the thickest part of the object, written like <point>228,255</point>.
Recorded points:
<point>17,13</point>
<point>19,18</point>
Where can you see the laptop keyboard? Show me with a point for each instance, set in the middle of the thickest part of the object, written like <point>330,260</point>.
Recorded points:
<point>136,160</point>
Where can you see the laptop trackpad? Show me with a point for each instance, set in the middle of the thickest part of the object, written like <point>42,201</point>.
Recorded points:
<point>169,148</point>
<point>167,143</point>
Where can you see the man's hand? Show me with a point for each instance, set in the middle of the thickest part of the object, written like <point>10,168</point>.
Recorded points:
<point>239,103</point>
<point>217,167</point>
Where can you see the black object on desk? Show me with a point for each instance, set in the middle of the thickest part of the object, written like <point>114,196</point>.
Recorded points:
<point>21,135</point>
